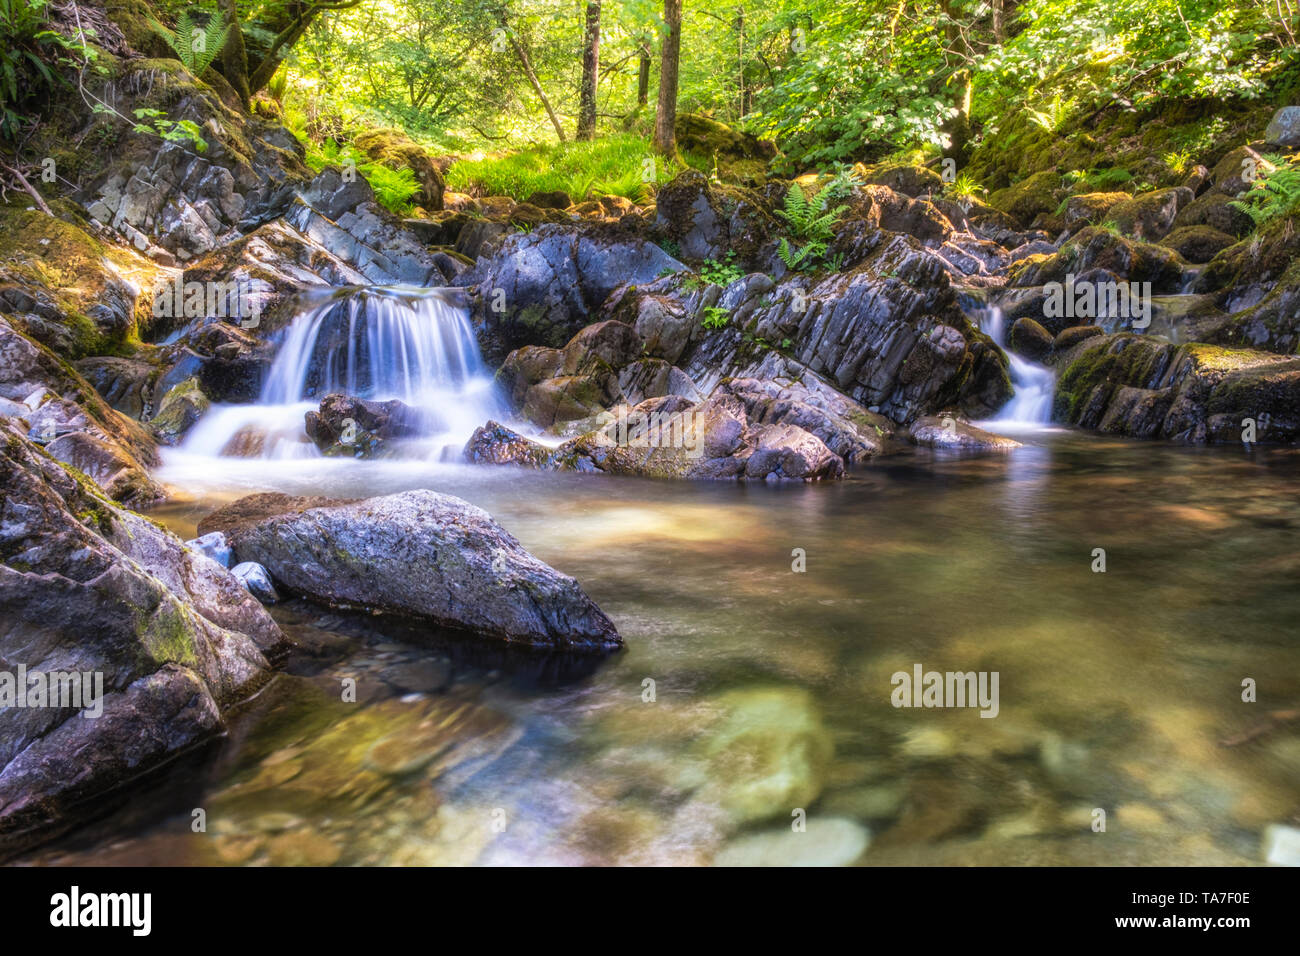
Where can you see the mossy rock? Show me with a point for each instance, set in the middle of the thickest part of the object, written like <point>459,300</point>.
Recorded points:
<point>85,279</point>
<point>1090,209</point>
<point>397,150</point>
<point>1197,244</point>
<point>1040,194</point>
<point>906,178</point>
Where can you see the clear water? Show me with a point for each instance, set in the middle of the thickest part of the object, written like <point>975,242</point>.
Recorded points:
<point>1118,691</point>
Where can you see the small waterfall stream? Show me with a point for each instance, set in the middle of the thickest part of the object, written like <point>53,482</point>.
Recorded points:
<point>381,343</point>
<point>1030,407</point>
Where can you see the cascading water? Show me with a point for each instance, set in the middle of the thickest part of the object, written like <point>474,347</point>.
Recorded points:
<point>1030,407</point>
<point>381,343</point>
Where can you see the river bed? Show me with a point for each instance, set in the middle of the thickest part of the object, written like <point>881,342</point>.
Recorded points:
<point>770,706</point>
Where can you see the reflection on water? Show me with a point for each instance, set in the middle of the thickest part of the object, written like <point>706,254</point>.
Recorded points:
<point>1120,691</point>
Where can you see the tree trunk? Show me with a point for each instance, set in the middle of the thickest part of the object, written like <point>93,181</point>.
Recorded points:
<point>999,21</point>
<point>740,60</point>
<point>234,59</point>
<point>590,73</point>
<point>532,76</point>
<point>643,76</point>
<point>665,140</point>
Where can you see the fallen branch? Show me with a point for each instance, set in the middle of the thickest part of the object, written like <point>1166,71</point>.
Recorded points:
<point>22,181</point>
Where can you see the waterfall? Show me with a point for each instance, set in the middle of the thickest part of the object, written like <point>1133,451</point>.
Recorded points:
<point>381,343</point>
<point>1031,405</point>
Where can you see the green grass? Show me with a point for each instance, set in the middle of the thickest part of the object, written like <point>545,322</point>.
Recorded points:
<point>615,165</point>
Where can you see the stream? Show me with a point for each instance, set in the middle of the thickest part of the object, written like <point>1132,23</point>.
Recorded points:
<point>749,690</point>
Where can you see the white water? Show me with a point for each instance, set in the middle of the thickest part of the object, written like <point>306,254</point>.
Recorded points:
<point>1030,408</point>
<point>415,345</point>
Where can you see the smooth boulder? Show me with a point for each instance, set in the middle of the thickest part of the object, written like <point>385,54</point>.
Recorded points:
<point>417,554</point>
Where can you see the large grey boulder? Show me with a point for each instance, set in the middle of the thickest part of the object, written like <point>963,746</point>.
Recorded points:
<point>419,554</point>
<point>542,287</point>
<point>91,588</point>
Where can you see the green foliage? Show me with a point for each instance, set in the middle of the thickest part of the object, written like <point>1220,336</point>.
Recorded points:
<point>195,44</point>
<point>1178,161</point>
<point>394,188</point>
<point>1053,117</point>
<point>721,273</point>
<point>964,186</point>
<point>155,123</point>
<point>31,56</point>
<point>1275,192</point>
<point>715,317</point>
<point>811,220</point>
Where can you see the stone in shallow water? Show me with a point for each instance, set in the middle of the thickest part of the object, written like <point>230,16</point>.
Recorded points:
<point>1282,845</point>
<point>830,842</point>
<point>254,577</point>
<point>214,545</point>
<point>768,755</point>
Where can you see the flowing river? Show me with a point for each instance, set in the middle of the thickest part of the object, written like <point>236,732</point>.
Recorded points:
<point>751,692</point>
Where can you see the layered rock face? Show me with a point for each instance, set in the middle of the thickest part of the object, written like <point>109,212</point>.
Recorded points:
<point>420,555</point>
<point>1143,388</point>
<point>86,587</point>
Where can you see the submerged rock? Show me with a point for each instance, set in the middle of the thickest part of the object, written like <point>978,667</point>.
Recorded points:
<point>825,842</point>
<point>419,554</point>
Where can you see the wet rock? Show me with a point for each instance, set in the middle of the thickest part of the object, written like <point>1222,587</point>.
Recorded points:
<point>1030,339</point>
<point>952,433</point>
<point>179,411</point>
<point>357,428</point>
<point>845,427</point>
<point>214,546</point>
<point>825,842</point>
<point>256,579</point>
<point>418,554</point>
<point>175,638</point>
<point>1144,388</point>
